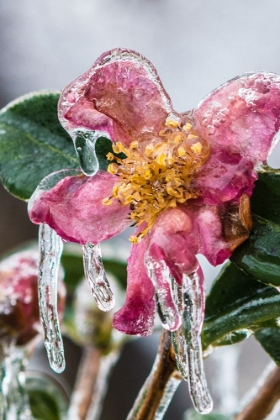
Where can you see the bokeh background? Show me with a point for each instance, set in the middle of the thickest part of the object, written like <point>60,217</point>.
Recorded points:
<point>196,46</point>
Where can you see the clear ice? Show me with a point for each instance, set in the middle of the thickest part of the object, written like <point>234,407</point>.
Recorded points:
<point>14,402</point>
<point>187,342</point>
<point>51,247</point>
<point>161,278</point>
<point>96,276</point>
<point>84,142</point>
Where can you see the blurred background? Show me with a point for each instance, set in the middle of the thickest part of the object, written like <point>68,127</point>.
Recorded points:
<point>195,46</point>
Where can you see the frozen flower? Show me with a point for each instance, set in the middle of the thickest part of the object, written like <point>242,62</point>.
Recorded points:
<point>19,310</point>
<point>185,179</point>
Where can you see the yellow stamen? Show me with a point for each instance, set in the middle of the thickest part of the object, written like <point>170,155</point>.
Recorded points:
<point>158,177</point>
<point>107,201</point>
<point>171,123</point>
<point>187,127</point>
<point>197,148</point>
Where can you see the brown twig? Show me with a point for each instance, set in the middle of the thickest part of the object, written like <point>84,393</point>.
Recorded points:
<point>85,383</point>
<point>264,400</point>
<point>160,385</point>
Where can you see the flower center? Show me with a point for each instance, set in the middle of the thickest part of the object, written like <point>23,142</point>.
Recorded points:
<point>158,174</point>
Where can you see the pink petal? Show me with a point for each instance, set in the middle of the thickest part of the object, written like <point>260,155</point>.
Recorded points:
<point>175,236</point>
<point>186,231</point>
<point>121,94</point>
<point>74,209</point>
<point>225,177</point>
<point>136,317</point>
<point>242,116</point>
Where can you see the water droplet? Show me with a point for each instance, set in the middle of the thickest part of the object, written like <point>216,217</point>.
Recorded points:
<point>84,142</point>
<point>13,397</point>
<point>160,275</point>
<point>51,247</point>
<point>187,342</point>
<point>95,274</point>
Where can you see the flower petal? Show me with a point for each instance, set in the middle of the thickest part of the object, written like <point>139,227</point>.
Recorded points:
<point>186,231</point>
<point>242,116</point>
<point>136,317</point>
<point>74,208</point>
<point>225,177</point>
<point>121,95</point>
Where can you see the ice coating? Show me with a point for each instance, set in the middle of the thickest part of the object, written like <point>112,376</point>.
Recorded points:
<point>72,205</point>
<point>51,246</point>
<point>160,275</point>
<point>96,276</point>
<point>121,95</point>
<point>13,397</point>
<point>84,142</point>
<point>187,342</point>
<point>243,115</point>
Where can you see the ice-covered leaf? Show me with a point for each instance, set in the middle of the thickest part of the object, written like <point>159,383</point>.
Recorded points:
<point>265,201</point>
<point>238,305</point>
<point>33,144</point>
<point>269,338</point>
<point>259,256</point>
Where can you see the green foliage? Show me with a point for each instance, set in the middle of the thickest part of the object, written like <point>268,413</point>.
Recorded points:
<point>33,144</point>
<point>237,306</point>
<point>47,402</point>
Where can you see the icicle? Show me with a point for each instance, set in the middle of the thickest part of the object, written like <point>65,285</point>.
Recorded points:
<point>187,342</point>
<point>95,274</point>
<point>84,142</point>
<point>160,275</point>
<point>51,247</point>
<point>13,398</point>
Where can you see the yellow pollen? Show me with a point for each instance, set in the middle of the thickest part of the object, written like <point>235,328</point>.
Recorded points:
<point>192,136</point>
<point>133,239</point>
<point>187,127</point>
<point>107,201</point>
<point>171,123</point>
<point>197,148</point>
<point>158,175</point>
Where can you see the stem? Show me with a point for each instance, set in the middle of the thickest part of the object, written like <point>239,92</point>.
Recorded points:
<point>91,384</point>
<point>264,399</point>
<point>160,385</point>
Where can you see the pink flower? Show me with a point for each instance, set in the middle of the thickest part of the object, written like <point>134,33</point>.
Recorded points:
<point>19,309</point>
<point>185,183</point>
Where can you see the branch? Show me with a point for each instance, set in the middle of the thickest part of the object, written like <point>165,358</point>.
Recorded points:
<point>264,400</point>
<point>91,384</point>
<point>160,385</point>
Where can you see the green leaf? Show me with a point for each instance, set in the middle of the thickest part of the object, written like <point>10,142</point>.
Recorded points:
<point>237,306</point>
<point>265,201</point>
<point>259,256</point>
<point>269,338</point>
<point>33,144</point>
<point>47,400</point>
<point>43,406</point>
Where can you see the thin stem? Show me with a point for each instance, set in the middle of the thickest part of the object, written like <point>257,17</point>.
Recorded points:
<point>160,385</point>
<point>263,400</point>
<point>91,384</point>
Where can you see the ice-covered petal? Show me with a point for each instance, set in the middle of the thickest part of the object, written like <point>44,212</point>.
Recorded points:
<point>182,233</point>
<point>175,238</point>
<point>74,207</point>
<point>243,116</point>
<point>136,317</point>
<point>225,177</point>
<point>121,95</point>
